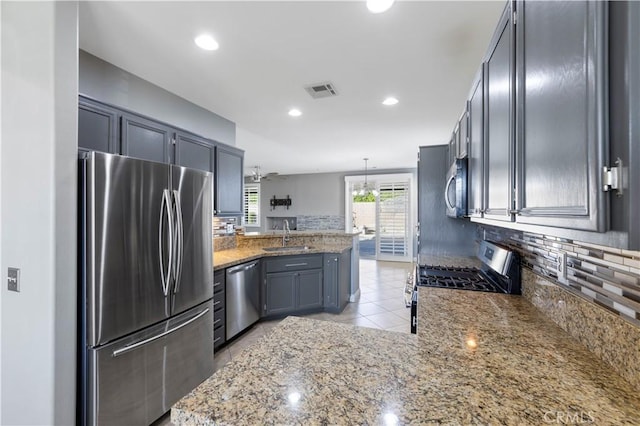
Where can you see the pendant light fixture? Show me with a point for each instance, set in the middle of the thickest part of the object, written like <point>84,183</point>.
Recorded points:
<point>366,188</point>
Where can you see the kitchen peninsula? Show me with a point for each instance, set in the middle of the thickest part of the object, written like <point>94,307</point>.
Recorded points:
<point>230,251</point>
<point>478,358</point>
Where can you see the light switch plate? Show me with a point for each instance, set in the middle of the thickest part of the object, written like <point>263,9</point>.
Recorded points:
<point>13,279</point>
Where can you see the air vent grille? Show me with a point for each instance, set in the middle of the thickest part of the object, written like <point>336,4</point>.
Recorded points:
<point>321,90</point>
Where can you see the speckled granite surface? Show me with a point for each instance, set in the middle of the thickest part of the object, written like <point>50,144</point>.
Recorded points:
<point>478,358</point>
<point>609,336</point>
<point>251,247</point>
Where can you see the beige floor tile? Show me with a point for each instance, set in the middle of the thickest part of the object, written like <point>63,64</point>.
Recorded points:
<point>221,358</point>
<point>362,322</point>
<point>401,329</point>
<point>403,312</point>
<point>393,304</point>
<point>369,308</point>
<point>387,320</point>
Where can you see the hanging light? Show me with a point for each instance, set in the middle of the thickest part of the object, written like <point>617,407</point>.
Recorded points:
<point>366,188</point>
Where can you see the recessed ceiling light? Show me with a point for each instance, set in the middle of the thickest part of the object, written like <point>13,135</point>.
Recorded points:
<point>379,6</point>
<point>206,42</point>
<point>294,112</point>
<point>390,101</point>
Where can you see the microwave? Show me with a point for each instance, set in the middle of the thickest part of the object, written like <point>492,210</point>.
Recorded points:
<point>455,191</point>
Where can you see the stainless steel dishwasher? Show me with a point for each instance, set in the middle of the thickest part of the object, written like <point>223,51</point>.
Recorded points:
<point>242,297</point>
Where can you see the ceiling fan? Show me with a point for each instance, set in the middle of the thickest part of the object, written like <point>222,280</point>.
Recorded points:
<point>257,176</point>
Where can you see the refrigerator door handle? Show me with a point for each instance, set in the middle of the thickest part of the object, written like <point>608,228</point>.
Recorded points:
<point>165,209</point>
<point>179,241</point>
<point>135,345</point>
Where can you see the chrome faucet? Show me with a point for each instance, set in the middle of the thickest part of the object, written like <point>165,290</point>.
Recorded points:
<point>286,232</point>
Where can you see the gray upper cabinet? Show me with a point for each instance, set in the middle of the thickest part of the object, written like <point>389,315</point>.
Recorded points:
<point>229,181</point>
<point>194,152</point>
<point>97,127</point>
<point>498,141</point>
<point>146,139</point>
<point>475,147</point>
<point>561,134</point>
<point>463,134</point>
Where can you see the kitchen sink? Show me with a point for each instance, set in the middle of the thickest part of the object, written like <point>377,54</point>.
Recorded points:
<point>287,248</point>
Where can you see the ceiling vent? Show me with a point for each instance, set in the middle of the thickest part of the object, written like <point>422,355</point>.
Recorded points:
<point>321,90</point>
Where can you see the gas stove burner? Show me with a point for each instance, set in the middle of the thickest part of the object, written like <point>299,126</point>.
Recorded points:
<point>458,278</point>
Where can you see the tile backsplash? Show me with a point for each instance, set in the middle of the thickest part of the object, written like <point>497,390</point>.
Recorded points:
<point>606,276</point>
<point>320,222</point>
<point>597,277</point>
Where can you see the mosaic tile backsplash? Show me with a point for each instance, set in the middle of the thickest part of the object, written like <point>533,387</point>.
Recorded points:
<point>606,276</point>
<point>598,302</point>
<point>320,222</point>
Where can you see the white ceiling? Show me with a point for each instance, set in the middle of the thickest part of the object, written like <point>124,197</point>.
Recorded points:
<point>425,53</point>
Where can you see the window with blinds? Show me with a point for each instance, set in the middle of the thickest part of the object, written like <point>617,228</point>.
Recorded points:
<point>252,205</point>
<point>393,219</point>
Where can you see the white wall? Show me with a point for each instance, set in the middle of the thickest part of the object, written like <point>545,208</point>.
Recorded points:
<point>39,75</point>
<point>311,194</point>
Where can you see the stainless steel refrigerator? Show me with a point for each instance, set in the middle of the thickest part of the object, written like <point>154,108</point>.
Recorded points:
<point>146,279</point>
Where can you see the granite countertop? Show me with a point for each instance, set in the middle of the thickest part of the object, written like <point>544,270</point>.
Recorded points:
<point>316,233</point>
<point>478,358</point>
<point>231,257</point>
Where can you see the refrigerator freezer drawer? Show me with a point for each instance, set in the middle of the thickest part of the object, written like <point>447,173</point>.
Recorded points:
<point>138,378</point>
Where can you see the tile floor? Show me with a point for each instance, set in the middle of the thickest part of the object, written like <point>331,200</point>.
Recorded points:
<point>380,306</point>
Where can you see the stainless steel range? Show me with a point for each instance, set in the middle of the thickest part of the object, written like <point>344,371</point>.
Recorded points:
<point>499,273</point>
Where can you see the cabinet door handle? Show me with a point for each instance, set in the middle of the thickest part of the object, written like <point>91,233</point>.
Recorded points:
<point>216,340</point>
<point>217,302</point>
<point>289,265</point>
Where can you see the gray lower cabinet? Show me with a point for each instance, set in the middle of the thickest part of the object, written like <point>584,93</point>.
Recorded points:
<point>337,280</point>
<point>499,123</point>
<point>331,270</point>
<point>561,138</point>
<point>219,313</point>
<point>280,293</point>
<point>97,127</point>
<point>229,181</point>
<point>292,283</point>
<point>146,139</point>
<point>309,286</point>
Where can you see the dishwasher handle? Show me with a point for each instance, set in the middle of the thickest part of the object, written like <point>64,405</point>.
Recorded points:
<point>242,268</point>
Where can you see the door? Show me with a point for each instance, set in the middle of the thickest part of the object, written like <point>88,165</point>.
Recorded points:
<point>330,277</point>
<point>280,293</point>
<point>138,378</point>
<point>194,152</point>
<point>475,154</point>
<point>229,181</point>
<point>122,270</point>
<point>309,289</point>
<point>193,264</point>
<point>463,138</point>
<point>499,149</point>
<point>146,139</point>
<point>394,221</point>
<point>97,127</point>
<point>562,135</point>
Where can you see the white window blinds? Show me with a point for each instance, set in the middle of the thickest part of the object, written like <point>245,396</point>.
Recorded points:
<point>393,219</point>
<point>252,205</point>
